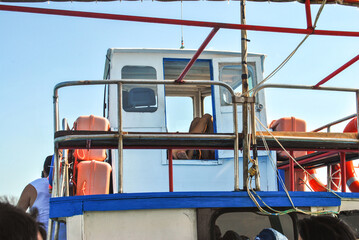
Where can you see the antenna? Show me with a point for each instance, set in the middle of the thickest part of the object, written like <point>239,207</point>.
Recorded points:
<point>182,46</point>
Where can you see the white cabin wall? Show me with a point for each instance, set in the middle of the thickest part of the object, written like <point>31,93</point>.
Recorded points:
<point>147,170</point>
<point>161,224</point>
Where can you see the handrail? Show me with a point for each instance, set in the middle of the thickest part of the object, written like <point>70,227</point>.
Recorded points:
<point>334,123</point>
<point>121,135</point>
<point>259,87</point>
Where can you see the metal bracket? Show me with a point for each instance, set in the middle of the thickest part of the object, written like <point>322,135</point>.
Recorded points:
<point>243,99</point>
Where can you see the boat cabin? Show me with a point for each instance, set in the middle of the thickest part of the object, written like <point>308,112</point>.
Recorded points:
<point>170,108</point>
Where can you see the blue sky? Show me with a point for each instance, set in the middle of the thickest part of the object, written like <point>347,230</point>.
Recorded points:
<point>39,51</point>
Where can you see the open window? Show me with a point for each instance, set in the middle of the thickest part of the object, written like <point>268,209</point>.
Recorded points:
<point>184,103</point>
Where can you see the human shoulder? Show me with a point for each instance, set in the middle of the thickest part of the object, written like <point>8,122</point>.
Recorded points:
<point>27,197</point>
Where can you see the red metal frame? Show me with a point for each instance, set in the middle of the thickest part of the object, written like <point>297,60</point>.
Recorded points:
<point>196,55</point>
<point>326,154</point>
<point>330,76</point>
<point>343,171</point>
<point>308,15</point>
<point>291,173</point>
<point>175,21</point>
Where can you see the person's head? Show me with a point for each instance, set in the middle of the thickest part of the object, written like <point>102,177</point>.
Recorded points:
<point>270,234</point>
<point>324,227</point>
<point>47,165</point>
<point>15,224</point>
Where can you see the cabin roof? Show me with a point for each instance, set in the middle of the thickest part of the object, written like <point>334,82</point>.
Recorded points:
<point>180,51</point>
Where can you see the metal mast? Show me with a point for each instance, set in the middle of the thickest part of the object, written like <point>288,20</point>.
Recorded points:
<point>245,106</point>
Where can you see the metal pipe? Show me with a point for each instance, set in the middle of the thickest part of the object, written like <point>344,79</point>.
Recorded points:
<point>291,172</point>
<point>311,159</point>
<point>120,139</point>
<point>357,103</point>
<point>246,144</point>
<point>132,81</point>
<point>175,21</point>
<point>256,89</point>
<point>151,135</point>
<point>236,148</point>
<point>140,135</point>
<point>343,171</point>
<point>330,76</point>
<point>329,177</point>
<point>334,123</point>
<point>254,144</point>
<point>196,55</point>
<point>308,15</point>
<point>170,170</point>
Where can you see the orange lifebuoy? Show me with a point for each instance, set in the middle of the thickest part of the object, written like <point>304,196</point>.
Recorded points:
<point>317,187</point>
<point>352,179</point>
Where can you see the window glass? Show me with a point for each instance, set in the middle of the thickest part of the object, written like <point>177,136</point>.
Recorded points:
<point>207,105</point>
<point>199,71</point>
<point>232,75</point>
<point>139,98</point>
<point>179,119</point>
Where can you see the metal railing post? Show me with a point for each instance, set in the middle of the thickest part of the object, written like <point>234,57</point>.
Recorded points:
<point>120,139</point>
<point>170,170</point>
<point>343,171</point>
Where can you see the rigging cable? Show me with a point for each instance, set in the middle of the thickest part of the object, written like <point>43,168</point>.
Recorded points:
<point>251,192</point>
<point>286,60</point>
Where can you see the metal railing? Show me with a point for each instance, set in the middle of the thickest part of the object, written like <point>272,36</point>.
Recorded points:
<point>121,136</point>
<point>258,88</point>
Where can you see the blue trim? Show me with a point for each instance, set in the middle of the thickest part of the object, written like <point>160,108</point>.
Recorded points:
<point>77,205</point>
<point>281,172</point>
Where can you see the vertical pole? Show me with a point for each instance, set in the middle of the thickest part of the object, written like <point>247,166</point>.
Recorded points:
<point>236,148</point>
<point>246,151</point>
<point>120,139</point>
<point>308,14</point>
<point>343,171</point>
<point>254,143</point>
<point>55,181</point>
<point>170,170</point>
<point>55,187</point>
<point>329,177</point>
<point>291,172</point>
<point>357,102</point>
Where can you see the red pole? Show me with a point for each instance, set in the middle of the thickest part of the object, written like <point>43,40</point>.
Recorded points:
<point>196,55</point>
<point>343,171</point>
<point>291,172</point>
<point>330,76</point>
<point>326,154</point>
<point>170,170</point>
<point>175,21</point>
<point>308,14</point>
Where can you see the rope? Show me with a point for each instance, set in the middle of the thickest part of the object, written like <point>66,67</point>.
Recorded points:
<point>286,60</point>
<point>330,190</point>
<point>253,195</point>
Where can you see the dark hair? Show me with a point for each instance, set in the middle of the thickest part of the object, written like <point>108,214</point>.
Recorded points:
<point>47,164</point>
<point>34,213</point>
<point>15,224</point>
<point>324,227</point>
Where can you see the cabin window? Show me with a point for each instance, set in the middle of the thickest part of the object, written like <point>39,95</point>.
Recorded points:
<point>139,98</point>
<point>231,74</point>
<point>250,224</point>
